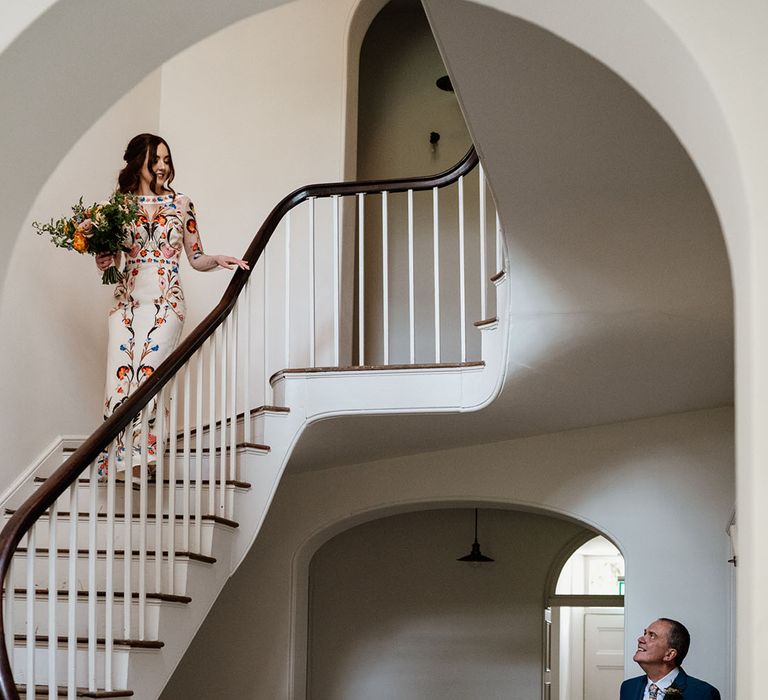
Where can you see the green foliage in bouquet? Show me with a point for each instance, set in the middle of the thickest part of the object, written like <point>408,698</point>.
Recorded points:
<point>96,229</point>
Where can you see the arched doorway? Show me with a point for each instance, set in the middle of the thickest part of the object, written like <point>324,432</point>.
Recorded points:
<point>584,623</point>
<point>392,613</point>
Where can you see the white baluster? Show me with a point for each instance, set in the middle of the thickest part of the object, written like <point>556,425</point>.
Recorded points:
<point>143,511</point>
<point>247,364</point>
<point>233,318</point>
<point>311,284</point>
<point>436,266</point>
<point>411,284</point>
<point>53,586</point>
<point>223,416</point>
<point>92,546</point>
<point>499,261</point>
<point>110,571</point>
<point>31,628</point>
<point>162,439</point>
<point>8,618</point>
<point>335,268</point>
<point>72,592</point>
<point>172,440</point>
<point>385,272</point>
<point>128,529</point>
<point>265,322</point>
<point>186,467</point>
<point>212,421</point>
<point>483,272</point>
<point>361,279</point>
<point>287,290</point>
<point>198,538</point>
<point>462,283</point>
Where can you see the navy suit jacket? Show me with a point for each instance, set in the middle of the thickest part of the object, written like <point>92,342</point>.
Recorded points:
<point>691,688</point>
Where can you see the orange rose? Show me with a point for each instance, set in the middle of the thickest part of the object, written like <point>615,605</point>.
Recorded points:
<point>80,242</point>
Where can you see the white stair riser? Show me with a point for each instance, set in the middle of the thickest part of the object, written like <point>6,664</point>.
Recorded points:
<point>84,496</point>
<point>152,620</point>
<point>120,664</point>
<point>258,421</point>
<point>179,467</point>
<point>62,535</point>
<point>180,572</point>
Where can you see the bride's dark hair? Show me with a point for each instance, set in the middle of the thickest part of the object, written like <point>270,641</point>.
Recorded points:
<point>140,148</point>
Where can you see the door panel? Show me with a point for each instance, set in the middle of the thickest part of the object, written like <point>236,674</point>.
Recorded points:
<point>603,655</point>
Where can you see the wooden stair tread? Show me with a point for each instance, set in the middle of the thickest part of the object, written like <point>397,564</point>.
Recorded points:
<point>121,553</point>
<point>63,639</point>
<point>61,692</point>
<point>150,516</point>
<point>377,368</point>
<point>498,276</point>
<point>164,597</point>
<point>254,412</point>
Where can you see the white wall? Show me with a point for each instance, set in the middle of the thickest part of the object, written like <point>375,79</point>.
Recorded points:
<point>234,110</point>
<point>678,49</point>
<point>53,307</point>
<point>14,17</point>
<point>661,488</point>
<point>706,83</point>
<point>394,615</point>
<point>252,113</point>
<point>66,62</point>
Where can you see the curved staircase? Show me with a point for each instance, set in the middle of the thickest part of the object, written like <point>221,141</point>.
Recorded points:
<point>102,605</point>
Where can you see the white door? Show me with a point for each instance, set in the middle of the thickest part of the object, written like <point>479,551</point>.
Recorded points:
<point>603,655</point>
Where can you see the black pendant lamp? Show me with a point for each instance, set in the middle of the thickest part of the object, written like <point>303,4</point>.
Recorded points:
<point>475,556</point>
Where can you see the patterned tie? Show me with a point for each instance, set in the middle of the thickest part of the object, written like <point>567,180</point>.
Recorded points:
<point>653,691</point>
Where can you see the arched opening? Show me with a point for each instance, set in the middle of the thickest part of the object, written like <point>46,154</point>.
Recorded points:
<point>658,81</point>
<point>407,125</point>
<point>392,613</point>
<point>584,624</point>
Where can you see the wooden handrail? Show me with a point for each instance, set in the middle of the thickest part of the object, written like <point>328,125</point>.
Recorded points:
<point>45,496</point>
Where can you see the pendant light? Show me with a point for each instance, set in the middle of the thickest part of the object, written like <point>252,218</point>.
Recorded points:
<point>475,556</point>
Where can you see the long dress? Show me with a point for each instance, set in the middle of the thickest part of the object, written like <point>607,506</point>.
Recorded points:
<point>146,322</point>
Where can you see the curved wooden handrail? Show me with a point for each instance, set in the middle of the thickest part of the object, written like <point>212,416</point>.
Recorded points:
<point>45,496</point>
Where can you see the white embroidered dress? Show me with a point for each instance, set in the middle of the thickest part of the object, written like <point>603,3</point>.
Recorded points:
<point>146,322</point>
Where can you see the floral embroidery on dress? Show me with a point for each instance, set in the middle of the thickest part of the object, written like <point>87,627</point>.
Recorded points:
<point>146,321</point>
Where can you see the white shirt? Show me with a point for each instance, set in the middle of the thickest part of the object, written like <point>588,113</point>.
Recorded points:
<point>662,683</point>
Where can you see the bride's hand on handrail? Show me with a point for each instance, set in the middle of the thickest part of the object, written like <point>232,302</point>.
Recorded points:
<point>230,263</point>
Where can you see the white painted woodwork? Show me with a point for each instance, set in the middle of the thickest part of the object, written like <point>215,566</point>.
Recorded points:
<point>603,655</point>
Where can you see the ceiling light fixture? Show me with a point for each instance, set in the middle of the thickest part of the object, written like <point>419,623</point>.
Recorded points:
<point>475,556</point>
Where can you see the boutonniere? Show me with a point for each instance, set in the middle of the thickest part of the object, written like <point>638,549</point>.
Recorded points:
<point>673,693</point>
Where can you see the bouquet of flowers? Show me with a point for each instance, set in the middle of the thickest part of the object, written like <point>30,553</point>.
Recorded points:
<point>94,229</point>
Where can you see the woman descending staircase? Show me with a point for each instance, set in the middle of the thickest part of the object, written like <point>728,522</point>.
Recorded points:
<point>106,583</point>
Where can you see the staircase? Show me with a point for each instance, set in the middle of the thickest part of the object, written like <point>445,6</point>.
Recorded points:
<point>102,604</point>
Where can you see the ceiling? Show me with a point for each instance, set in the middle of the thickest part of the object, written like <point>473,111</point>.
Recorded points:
<point>621,303</point>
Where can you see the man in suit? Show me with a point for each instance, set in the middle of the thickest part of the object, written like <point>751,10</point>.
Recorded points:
<point>660,653</point>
